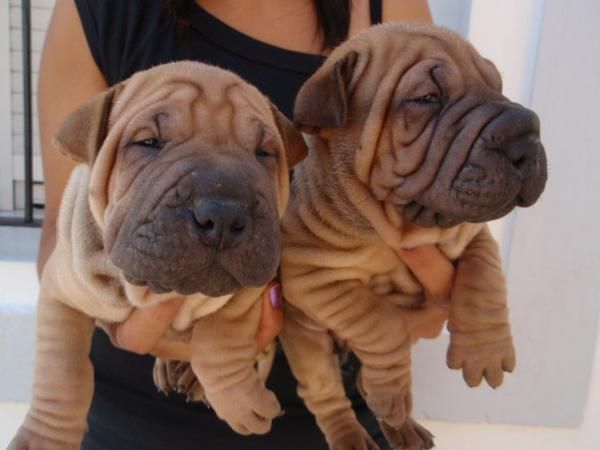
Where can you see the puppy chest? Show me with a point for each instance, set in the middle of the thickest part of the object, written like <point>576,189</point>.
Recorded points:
<point>195,307</point>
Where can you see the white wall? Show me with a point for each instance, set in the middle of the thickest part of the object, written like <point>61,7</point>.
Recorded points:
<point>552,251</point>
<point>508,33</point>
<point>486,436</point>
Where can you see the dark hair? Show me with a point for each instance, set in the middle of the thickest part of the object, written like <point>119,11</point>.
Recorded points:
<point>333,18</point>
<point>333,21</point>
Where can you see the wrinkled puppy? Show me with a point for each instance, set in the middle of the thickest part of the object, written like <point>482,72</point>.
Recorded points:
<point>185,177</point>
<point>411,143</point>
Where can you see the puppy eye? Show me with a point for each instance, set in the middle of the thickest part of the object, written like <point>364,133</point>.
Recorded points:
<point>260,153</point>
<point>150,143</point>
<point>429,98</point>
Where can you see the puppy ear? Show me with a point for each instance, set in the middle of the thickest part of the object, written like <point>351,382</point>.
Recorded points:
<point>83,131</point>
<point>323,100</point>
<point>295,146</point>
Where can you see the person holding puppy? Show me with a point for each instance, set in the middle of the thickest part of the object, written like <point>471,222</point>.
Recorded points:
<point>274,45</point>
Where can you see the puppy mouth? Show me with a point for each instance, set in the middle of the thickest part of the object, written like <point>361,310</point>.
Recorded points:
<point>213,281</point>
<point>174,251</point>
<point>176,260</point>
<point>496,167</point>
<point>424,216</point>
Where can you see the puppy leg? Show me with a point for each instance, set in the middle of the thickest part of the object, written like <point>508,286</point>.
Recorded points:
<point>223,357</point>
<point>409,436</point>
<point>63,380</point>
<point>310,352</point>
<point>177,376</point>
<point>480,339</point>
<point>374,329</point>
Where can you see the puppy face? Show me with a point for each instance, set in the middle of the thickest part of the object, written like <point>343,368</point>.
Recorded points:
<point>425,126</point>
<point>190,180</point>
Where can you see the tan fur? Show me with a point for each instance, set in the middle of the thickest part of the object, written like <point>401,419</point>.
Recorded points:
<point>341,274</point>
<point>80,284</point>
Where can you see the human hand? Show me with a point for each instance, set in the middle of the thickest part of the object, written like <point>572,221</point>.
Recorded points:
<point>436,273</point>
<point>143,330</point>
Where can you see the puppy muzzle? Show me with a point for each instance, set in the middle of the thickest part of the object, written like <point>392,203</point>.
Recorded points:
<point>493,163</point>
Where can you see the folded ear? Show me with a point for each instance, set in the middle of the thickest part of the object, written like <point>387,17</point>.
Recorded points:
<point>323,100</point>
<point>295,146</point>
<point>83,131</point>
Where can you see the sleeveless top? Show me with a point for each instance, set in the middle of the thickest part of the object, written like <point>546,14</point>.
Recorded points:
<point>128,36</point>
<point>127,412</point>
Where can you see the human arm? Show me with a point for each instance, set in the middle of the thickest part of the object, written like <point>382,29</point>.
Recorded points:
<point>142,331</point>
<point>407,10</point>
<point>436,274</point>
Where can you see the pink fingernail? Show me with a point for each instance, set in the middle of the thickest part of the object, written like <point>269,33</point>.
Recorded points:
<point>408,248</point>
<point>275,296</point>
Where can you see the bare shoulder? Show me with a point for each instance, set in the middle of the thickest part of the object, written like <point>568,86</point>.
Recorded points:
<point>412,10</point>
<point>66,58</point>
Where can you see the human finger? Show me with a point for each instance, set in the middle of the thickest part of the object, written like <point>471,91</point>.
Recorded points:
<point>433,270</point>
<point>271,321</point>
<point>142,330</point>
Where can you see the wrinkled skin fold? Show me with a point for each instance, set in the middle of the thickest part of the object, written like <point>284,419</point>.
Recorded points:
<point>183,180</point>
<point>411,142</point>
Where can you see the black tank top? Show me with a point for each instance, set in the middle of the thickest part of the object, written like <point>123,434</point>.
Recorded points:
<point>127,413</point>
<point>128,36</point>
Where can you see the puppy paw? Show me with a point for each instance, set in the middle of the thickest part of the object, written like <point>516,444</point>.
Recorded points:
<point>26,439</point>
<point>348,434</point>
<point>409,436</point>
<point>177,376</point>
<point>390,402</point>
<point>251,412</point>
<point>482,360</point>
<point>355,440</point>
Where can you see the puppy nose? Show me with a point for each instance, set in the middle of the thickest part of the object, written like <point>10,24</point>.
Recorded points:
<point>221,224</point>
<point>516,133</point>
<point>524,154</point>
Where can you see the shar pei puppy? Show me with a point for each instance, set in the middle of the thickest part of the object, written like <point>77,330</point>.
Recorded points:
<point>183,180</point>
<point>411,142</point>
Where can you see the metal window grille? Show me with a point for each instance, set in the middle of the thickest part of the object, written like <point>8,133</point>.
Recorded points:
<point>27,219</point>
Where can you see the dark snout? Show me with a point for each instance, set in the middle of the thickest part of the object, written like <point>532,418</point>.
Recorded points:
<point>506,166</point>
<point>493,162</point>
<point>221,223</point>
<point>206,224</point>
<point>222,206</point>
<point>516,135</point>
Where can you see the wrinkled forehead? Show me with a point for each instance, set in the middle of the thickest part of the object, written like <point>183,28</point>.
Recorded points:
<point>404,45</point>
<point>214,102</point>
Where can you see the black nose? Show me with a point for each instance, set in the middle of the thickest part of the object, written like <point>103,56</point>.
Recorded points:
<point>221,224</point>
<point>516,132</point>
<point>524,154</point>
